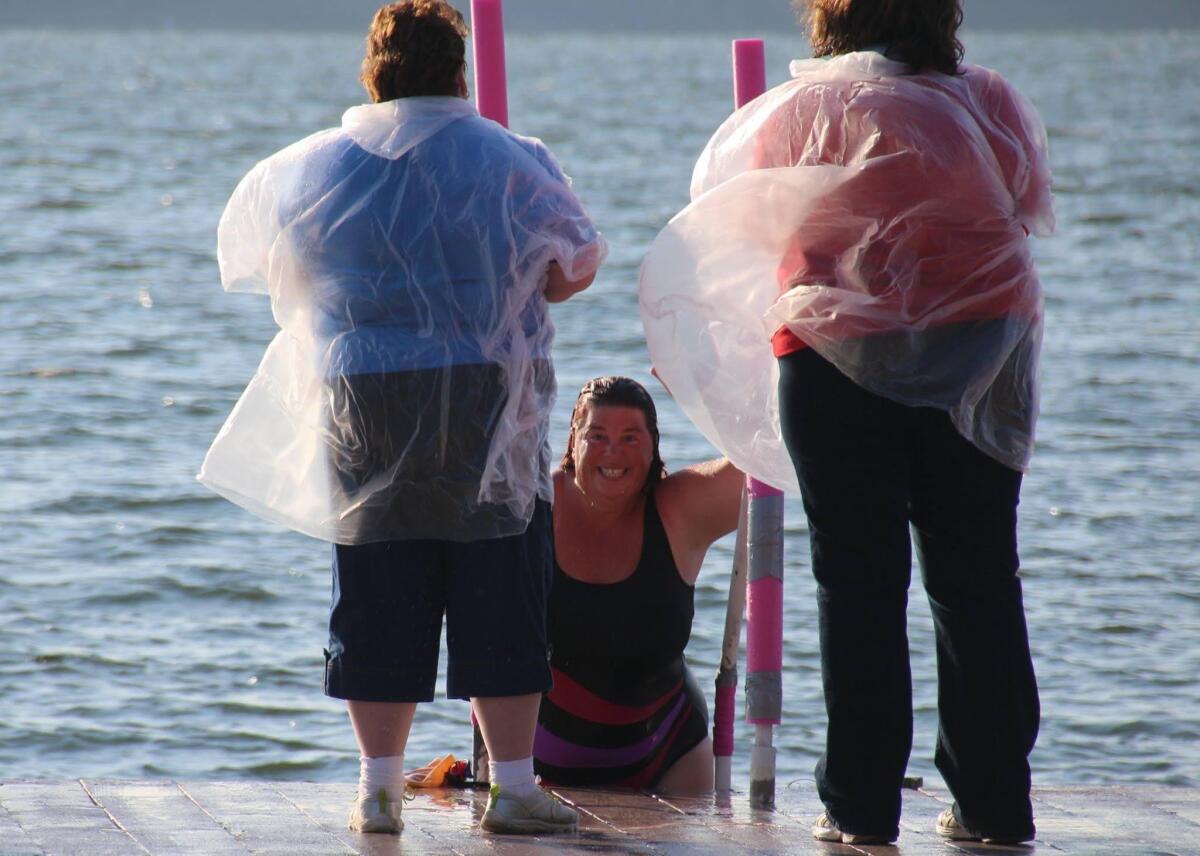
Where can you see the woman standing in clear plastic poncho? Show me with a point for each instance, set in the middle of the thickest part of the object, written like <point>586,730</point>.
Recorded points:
<point>409,256</point>
<point>867,223</point>
<point>402,410</point>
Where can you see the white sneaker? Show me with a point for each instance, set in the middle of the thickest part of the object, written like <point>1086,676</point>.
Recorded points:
<point>824,829</point>
<point>949,827</point>
<point>379,813</point>
<point>527,814</point>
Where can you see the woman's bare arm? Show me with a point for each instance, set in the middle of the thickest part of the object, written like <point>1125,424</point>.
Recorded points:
<point>698,505</point>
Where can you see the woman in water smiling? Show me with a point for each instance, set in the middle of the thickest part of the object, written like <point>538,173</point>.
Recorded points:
<point>629,543</point>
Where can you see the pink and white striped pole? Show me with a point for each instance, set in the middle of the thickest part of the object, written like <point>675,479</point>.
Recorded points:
<point>725,708</point>
<point>764,596</point>
<point>749,81</point>
<point>491,74</point>
<point>491,99</point>
<point>764,636</point>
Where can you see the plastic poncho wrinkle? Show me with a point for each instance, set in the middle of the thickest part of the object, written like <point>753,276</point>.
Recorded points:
<point>880,217</point>
<point>408,391</point>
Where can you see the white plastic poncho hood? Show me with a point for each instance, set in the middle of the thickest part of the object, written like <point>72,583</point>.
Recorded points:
<point>408,391</point>
<point>881,218</point>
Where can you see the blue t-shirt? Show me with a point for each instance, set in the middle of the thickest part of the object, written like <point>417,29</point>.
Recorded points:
<point>411,259</point>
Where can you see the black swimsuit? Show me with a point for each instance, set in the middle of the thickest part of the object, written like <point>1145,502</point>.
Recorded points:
<point>624,707</point>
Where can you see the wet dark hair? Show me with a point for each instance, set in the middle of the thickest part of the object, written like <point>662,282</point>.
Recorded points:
<point>617,392</point>
<point>920,33</point>
<point>416,47</point>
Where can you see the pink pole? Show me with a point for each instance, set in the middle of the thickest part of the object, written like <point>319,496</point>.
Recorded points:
<point>764,589</point>
<point>491,98</point>
<point>764,636</point>
<point>749,81</point>
<point>749,71</point>
<point>764,595</point>
<point>764,603</point>
<point>726,708</point>
<point>491,76</point>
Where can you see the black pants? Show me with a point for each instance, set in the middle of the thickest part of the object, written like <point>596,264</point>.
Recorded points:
<point>868,469</point>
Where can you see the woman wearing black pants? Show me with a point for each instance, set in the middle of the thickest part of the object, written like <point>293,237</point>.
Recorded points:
<point>909,330</point>
<point>871,217</point>
<point>868,468</point>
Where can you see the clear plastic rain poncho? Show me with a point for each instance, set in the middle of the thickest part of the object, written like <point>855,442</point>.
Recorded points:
<point>408,392</point>
<point>880,217</point>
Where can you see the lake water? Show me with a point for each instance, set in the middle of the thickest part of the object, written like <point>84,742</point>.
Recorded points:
<point>149,628</point>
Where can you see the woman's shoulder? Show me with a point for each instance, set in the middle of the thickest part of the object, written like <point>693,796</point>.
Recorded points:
<point>988,83</point>
<point>698,505</point>
<point>330,141</point>
<point>681,495</point>
<point>684,484</point>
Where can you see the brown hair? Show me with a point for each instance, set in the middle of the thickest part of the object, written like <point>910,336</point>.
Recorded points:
<point>415,47</point>
<point>921,33</point>
<point>617,392</point>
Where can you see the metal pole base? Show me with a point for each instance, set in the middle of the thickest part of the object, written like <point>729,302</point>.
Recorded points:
<point>723,774</point>
<point>762,795</point>
<point>762,777</point>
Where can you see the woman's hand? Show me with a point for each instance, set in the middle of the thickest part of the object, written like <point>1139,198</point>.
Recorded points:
<point>663,383</point>
<point>559,288</point>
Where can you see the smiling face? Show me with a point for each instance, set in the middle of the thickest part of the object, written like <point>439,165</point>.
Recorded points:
<point>613,451</point>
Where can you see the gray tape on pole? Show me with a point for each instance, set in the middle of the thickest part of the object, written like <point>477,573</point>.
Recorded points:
<point>727,677</point>
<point>764,540</point>
<point>764,696</point>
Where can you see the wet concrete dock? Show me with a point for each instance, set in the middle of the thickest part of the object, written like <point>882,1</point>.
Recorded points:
<point>105,818</point>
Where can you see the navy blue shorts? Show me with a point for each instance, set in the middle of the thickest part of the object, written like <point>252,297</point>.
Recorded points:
<point>385,620</point>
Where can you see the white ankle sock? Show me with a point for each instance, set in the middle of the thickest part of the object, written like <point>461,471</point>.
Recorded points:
<point>386,773</point>
<point>516,777</point>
